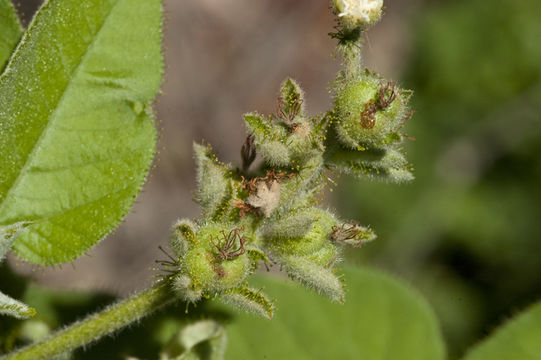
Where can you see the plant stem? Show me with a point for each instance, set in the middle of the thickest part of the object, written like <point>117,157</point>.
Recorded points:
<point>352,58</point>
<point>98,325</point>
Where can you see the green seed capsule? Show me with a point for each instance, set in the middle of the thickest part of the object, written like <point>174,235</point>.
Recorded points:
<point>219,262</point>
<point>369,110</point>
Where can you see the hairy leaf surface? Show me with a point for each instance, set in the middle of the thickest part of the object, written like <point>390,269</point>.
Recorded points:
<point>76,125</point>
<point>381,319</point>
<point>519,339</point>
<point>10,31</point>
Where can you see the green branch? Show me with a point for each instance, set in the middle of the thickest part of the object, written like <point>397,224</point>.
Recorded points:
<point>98,325</point>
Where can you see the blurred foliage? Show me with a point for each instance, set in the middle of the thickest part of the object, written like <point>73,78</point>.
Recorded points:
<point>56,308</point>
<point>466,231</point>
<point>381,319</point>
<point>518,339</point>
<point>150,336</point>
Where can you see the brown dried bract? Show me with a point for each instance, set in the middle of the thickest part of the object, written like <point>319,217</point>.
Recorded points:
<point>244,208</point>
<point>272,175</point>
<point>226,243</point>
<point>250,185</point>
<point>294,128</point>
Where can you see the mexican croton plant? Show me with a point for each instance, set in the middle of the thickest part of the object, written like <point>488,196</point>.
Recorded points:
<point>269,213</point>
<point>78,137</point>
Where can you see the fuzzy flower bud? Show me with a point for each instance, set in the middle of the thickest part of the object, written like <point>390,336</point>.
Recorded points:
<point>354,13</point>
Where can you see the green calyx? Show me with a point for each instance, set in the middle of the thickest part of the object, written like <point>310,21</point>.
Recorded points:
<point>370,112</point>
<point>304,233</point>
<point>214,257</point>
<point>365,129</point>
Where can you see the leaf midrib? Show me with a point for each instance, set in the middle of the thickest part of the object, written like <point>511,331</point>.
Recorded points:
<point>51,118</point>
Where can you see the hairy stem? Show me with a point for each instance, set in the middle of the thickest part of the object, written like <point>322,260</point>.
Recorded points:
<point>352,58</point>
<point>98,325</point>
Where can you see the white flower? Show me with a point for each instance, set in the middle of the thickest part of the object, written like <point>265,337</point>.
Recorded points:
<point>358,12</point>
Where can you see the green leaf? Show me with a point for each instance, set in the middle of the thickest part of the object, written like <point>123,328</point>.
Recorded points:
<point>10,31</point>
<point>381,319</point>
<point>15,308</point>
<point>77,124</point>
<point>518,339</point>
<point>7,235</point>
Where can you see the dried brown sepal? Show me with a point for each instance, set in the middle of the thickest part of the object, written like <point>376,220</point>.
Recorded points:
<point>269,178</point>
<point>280,176</point>
<point>244,208</point>
<point>294,128</point>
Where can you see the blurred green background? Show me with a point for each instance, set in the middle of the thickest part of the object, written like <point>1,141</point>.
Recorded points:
<point>466,232</point>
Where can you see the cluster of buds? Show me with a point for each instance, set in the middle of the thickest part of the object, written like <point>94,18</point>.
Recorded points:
<point>269,214</point>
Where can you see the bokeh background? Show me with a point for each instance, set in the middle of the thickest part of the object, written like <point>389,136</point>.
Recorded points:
<point>466,233</point>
